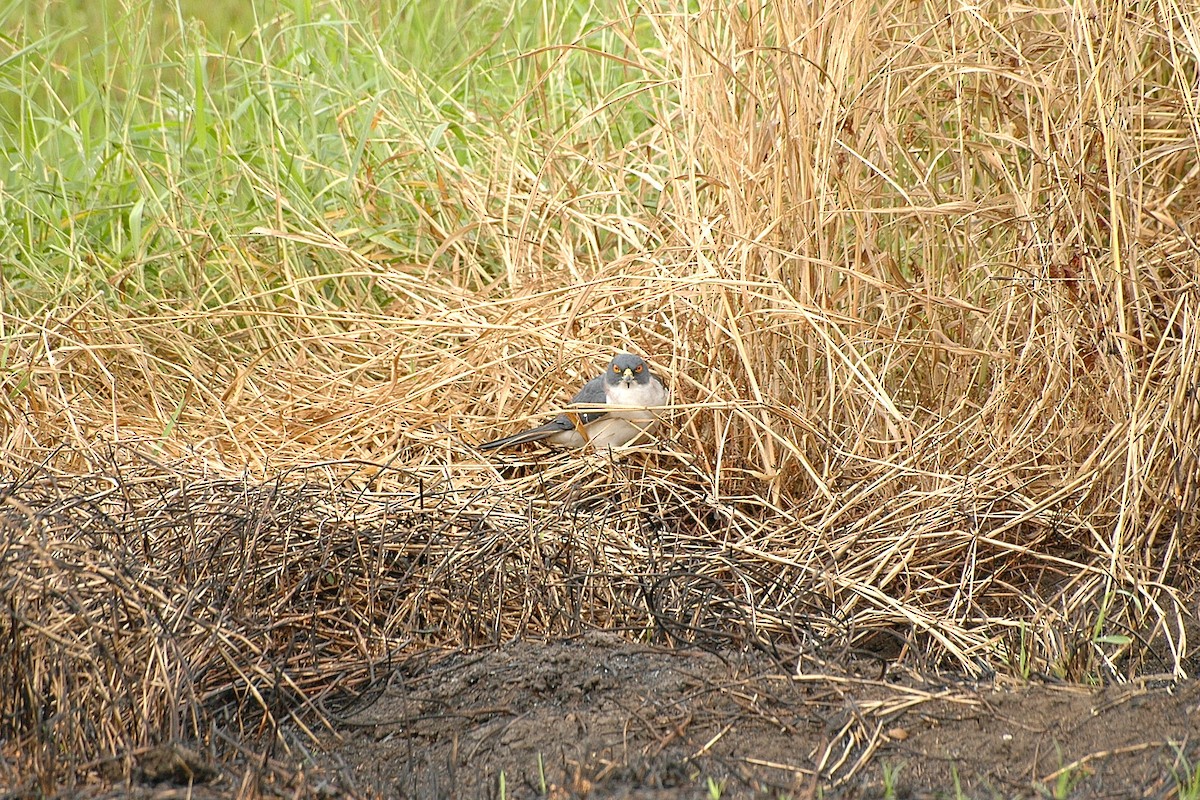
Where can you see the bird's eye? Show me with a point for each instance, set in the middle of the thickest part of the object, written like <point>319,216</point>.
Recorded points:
<point>616,369</point>
<point>638,368</point>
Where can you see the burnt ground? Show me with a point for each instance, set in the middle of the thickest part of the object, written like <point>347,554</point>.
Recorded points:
<point>600,717</point>
<point>180,639</point>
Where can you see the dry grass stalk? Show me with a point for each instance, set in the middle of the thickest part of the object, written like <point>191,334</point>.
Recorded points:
<point>921,284</point>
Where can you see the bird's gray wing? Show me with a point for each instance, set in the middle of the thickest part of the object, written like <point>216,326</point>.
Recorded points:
<point>592,394</point>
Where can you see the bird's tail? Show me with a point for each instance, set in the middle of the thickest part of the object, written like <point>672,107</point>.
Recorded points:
<point>533,435</point>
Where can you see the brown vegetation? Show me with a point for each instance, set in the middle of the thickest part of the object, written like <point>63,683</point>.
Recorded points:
<point>923,284</point>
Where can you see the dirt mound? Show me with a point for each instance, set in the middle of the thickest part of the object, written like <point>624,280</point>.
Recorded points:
<point>599,716</point>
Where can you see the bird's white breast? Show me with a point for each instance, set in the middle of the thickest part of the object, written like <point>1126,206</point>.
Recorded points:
<point>632,414</point>
<point>638,398</point>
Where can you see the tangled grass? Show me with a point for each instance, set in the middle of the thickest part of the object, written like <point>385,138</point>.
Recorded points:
<point>922,280</point>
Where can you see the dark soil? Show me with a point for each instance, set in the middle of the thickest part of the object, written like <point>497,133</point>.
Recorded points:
<point>599,716</point>
<point>182,638</point>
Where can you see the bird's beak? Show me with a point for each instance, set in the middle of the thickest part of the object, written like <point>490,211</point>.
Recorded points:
<point>627,376</point>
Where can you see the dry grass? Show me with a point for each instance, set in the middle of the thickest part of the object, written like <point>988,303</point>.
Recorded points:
<point>922,280</point>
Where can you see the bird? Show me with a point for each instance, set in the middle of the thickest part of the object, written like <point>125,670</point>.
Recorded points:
<point>627,383</point>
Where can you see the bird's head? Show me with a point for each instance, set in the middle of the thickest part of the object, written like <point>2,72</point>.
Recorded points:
<point>628,369</point>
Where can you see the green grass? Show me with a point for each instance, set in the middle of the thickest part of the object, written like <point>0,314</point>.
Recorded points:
<point>144,148</point>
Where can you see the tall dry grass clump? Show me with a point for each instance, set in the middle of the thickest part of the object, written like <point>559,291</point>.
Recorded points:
<point>946,286</point>
<point>957,271</point>
<point>922,278</point>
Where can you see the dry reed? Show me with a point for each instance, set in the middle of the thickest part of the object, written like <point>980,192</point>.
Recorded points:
<point>921,280</point>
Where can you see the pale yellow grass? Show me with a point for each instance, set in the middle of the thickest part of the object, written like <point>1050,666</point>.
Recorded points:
<point>920,277</point>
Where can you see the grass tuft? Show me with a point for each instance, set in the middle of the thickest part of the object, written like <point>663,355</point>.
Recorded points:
<point>922,281</point>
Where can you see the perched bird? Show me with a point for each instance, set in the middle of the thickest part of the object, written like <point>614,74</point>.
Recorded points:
<point>627,383</point>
